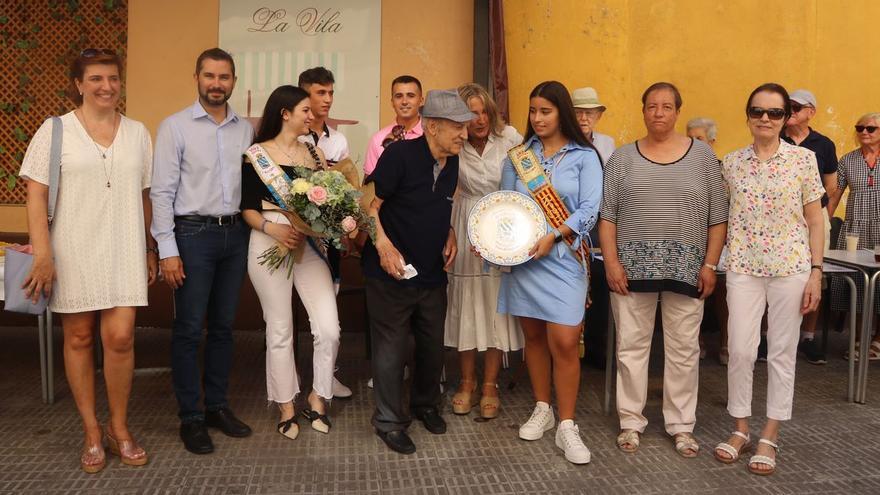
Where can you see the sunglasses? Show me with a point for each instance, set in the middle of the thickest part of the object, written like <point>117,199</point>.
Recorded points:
<point>94,52</point>
<point>772,113</point>
<point>869,128</point>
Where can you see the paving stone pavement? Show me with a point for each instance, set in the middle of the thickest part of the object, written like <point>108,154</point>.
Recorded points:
<point>829,447</point>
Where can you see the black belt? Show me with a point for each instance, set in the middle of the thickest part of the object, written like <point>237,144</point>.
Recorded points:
<point>224,220</point>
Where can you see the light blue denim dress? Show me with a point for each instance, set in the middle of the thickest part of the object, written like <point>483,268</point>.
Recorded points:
<point>554,288</point>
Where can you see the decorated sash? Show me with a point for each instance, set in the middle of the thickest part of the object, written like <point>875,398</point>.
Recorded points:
<point>531,173</point>
<point>278,184</point>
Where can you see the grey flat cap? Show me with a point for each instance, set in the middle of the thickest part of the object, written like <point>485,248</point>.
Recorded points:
<point>446,104</point>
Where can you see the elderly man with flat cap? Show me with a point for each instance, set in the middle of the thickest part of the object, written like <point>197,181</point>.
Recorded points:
<point>406,265</point>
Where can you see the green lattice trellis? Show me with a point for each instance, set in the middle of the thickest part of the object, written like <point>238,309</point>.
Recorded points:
<point>38,39</point>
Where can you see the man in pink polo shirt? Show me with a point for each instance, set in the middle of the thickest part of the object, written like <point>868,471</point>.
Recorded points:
<point>406,98</point>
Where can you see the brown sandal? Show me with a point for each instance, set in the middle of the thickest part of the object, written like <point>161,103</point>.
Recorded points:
<point>489,406</point>
<point>463,402</point>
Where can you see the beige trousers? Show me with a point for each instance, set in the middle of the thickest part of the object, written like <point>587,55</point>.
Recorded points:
<point>634,317</point>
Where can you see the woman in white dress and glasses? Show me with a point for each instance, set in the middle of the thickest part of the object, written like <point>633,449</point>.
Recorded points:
<point>98,257</point>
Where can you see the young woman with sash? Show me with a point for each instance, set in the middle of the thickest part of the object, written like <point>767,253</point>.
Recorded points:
<point>268,171</point>
<point>561,170</point>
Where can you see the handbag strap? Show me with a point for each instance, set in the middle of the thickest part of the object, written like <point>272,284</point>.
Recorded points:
<point>54,165</point>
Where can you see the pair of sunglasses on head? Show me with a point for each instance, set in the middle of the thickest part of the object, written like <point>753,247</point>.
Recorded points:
<point>94,52</point>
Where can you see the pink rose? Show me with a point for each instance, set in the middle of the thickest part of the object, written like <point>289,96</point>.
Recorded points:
<point>348,224</point>
<point>317,195</point>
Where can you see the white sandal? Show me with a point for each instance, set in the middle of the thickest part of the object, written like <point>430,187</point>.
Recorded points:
<point>732,451</point>
<point>763,459</point>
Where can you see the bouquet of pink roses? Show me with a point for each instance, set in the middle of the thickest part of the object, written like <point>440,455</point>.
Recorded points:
<point>322,204</point>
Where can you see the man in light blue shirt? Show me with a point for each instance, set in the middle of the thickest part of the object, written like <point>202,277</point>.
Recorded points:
<point>203,242</point>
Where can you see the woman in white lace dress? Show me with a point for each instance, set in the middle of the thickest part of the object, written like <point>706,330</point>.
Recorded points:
<point>472,322</point>
<point>98,257</point>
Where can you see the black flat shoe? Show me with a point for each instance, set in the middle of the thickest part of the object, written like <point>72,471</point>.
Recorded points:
<point>397,441</point>
<point>225,421</point>
<point>289,428</point>
<point>432,420</point>
<point>320,422</point>
<point>195,438</point>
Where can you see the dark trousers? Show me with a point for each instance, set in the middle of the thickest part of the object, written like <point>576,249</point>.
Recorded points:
<point>396,312</point>
<point>214,262</point>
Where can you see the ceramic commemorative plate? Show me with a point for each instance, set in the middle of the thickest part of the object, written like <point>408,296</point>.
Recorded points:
<point>504,226</point>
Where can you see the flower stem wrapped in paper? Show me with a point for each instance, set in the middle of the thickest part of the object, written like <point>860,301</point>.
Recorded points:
<point>322,204</point>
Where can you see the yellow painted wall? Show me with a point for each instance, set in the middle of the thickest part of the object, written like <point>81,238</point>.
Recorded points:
<point>715,51</point>
<point>166,36</point>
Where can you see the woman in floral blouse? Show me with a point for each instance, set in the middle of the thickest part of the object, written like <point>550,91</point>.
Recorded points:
<point>775,238</point>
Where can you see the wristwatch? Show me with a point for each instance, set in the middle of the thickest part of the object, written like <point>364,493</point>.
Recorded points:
<point>816,267</point>
<point>713,267</point>
<point>557,235</point>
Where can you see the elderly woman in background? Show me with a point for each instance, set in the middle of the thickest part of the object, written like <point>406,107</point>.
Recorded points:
<point>472,322</point>
<point>857,170</point>
<point>705,130</point>
<point>98,257</point>
<point>775,240</point>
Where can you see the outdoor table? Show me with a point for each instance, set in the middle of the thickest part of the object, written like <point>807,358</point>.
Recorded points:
<point>863,262</point>
<point>44,331</point>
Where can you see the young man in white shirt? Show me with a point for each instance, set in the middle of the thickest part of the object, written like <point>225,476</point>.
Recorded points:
<point>318,82</point>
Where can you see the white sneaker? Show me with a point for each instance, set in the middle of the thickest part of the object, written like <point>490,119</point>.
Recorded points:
<point>541,420</point>
<point>568,438</point>
<point>340,391</point>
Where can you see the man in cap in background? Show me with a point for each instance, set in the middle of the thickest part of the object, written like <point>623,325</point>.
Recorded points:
<point>798,132</point>
<point>589,110</point>
<point>405,265</point>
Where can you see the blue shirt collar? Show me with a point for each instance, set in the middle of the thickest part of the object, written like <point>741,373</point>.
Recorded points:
<point>535,142</point>
<point>198,112</point>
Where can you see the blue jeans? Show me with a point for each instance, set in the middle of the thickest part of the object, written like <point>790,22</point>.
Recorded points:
<point>214,261</point>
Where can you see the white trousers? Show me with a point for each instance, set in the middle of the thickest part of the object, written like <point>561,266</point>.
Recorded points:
<point>747,297</point>
<point>314,285</point>
<point>634,316</point>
